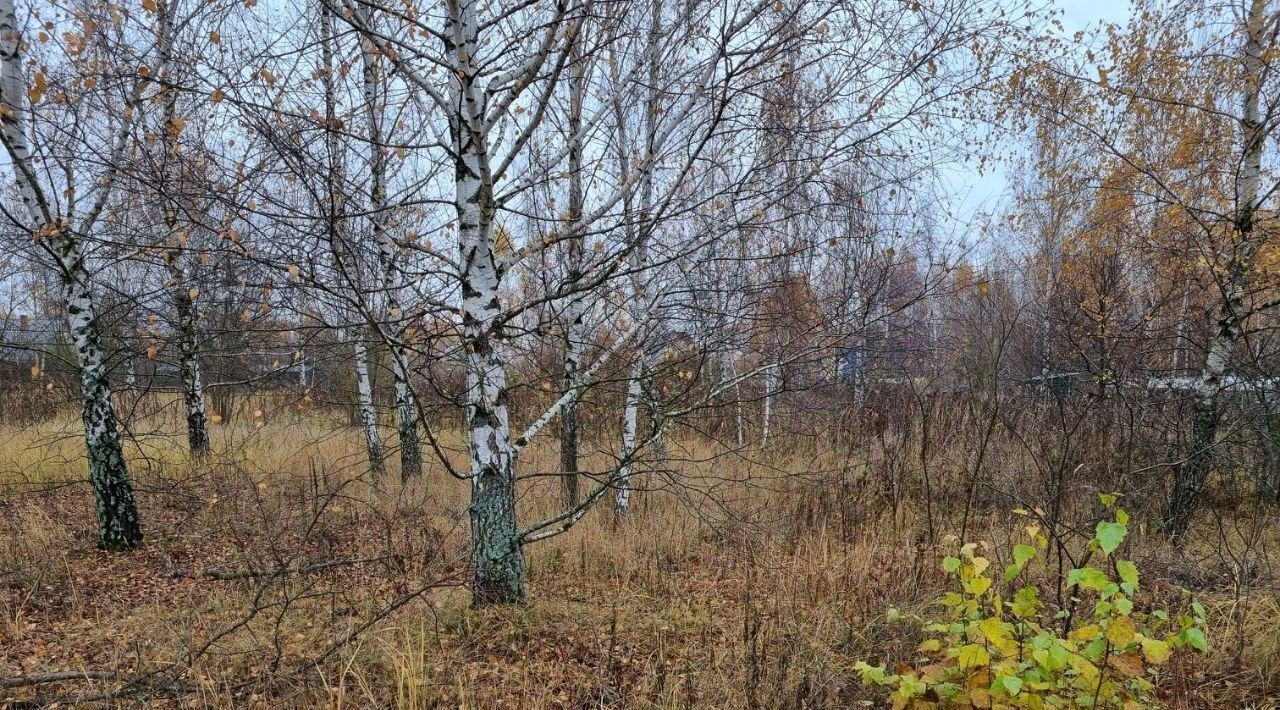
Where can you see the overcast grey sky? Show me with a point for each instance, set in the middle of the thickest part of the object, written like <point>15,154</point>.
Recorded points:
<point>982,192</point>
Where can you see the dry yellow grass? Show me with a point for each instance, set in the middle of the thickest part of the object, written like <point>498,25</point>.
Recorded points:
<point>754,586</point>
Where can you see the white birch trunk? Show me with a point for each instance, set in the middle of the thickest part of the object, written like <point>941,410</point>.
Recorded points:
<point>770,377</point>
<point>1191,478</point>
<point>576,308</point>
<point>183,293</point>
<point>117,514</point>
<point>406,408</point>
<point>739,415</point>
<point>368,415</point>
<point>641,301</point>
<point>497,560</point>
<point>630,432</point>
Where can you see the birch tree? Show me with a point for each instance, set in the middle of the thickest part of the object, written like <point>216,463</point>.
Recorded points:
<point>374,86</point>
<point>485,137</point>
<point>1258,33</point>
<point>178,255</point>
<point>61,226</point>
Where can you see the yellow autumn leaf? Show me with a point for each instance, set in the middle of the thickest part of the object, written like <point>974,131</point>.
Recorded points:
<point>38,86</point>
<point>1120,631</point>
<point>972,656</point>
<point>1155,650</point>
<point>980,565</point>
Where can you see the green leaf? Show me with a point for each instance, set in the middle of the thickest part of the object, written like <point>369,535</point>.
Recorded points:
<point>1194,638</point>
<point>1022,554</point>
<point>871,675</point>
<point>1128,572</point>
<point>1059,656</point>
<point>977,585</point>
<point>1107,499</point>
<point>1110,535</point>
<point>1011,685</point>
<point>951,564</point>
<point>1026,602</point>
<point>1089,578</point>
<point>909,687</point>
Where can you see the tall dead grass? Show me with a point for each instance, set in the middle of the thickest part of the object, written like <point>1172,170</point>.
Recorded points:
<point>739,581</point>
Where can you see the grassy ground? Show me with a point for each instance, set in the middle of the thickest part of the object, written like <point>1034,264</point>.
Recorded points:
<point>278,575</point>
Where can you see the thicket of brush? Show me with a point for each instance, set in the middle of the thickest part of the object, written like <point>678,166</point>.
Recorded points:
<point>278,573</point>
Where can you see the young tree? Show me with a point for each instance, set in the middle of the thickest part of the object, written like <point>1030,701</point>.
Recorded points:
<point>62,232</point>
<point>173,167</point>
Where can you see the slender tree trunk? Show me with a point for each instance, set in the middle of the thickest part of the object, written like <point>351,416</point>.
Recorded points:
<point>770,377</point>
<point>406,408</point>
<point>189,366</point>
<point>641,298</point>
<point>184,294</point>
<point>406,419</point>
<point>1192,477</point>
<point>368,415</point>
<point>630,434</point>
<point>575,309</point>
<point>739,415</point>
<point>117,513</point>
<point>569,412</point>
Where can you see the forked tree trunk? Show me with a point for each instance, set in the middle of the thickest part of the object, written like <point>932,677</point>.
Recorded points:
<point>117,513</point>
<point>1191,478</point>
<point>498,575</point>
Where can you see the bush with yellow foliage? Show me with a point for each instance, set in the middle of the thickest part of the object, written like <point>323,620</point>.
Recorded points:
<point>994,649</point>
